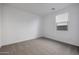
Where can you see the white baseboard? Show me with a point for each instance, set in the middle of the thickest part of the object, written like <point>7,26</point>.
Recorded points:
<point>57,39</point>
<point>31,38</point>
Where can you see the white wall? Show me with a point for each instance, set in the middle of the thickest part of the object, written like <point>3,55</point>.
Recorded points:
<point>19,25</point>
<point>70,36</point>
<point>0,24</point>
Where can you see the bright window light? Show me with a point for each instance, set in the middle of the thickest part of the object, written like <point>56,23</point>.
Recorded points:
<point>62,19</point>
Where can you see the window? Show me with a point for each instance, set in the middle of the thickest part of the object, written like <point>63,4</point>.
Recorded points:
<point>62,21</point>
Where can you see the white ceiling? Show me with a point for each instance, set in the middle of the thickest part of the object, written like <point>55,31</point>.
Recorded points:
<point>40,8</point>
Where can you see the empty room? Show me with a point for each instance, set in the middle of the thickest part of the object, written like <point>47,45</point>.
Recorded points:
<point>39,28</point>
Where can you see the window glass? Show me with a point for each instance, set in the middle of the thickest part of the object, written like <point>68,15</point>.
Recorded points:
<point>62,21</point>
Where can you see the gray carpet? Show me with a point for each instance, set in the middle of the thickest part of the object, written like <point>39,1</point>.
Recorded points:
<point>40,46</point>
